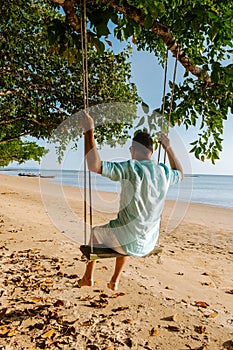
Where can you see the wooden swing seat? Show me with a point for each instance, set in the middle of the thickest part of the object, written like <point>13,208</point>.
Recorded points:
<point>99,252</point>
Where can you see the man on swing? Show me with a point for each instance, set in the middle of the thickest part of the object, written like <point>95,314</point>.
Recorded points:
<point>144,185</point>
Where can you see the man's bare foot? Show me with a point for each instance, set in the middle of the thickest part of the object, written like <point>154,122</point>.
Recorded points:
<point>113,285</point>
<point>84,282</point>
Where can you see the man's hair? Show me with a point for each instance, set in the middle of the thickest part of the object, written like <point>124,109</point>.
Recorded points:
<point>144,139</point>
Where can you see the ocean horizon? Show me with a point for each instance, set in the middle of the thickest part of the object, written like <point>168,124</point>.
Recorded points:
<point>214,190</point>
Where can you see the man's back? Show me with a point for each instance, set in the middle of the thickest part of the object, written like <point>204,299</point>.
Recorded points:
<point>144,185</point>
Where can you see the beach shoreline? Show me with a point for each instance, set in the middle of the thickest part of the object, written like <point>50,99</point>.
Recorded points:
<point>213,190</point>
<point>183,303</point>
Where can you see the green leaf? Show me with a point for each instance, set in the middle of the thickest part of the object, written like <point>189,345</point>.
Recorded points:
<point>145,108</point>
<point>102,30</point>
<point>141,122</point>
<point>197,152</point>
<point>148,21</point>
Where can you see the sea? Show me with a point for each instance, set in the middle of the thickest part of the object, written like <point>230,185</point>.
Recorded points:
<point>214,190</point>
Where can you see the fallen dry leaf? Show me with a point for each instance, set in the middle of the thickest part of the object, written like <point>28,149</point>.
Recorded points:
<point>229,291</point>
<point>47,281</point>
<point>213,315</point>
<point>103,295</point>
<point>170,318</point>
<point>120,308</point>
<point>58,303</point>
<point>206,283</point>
<point>86,298</point>
<point>97,282</point>
<point>154,332</point>
<point>48,334</point>
<point>184,301</point>
<point>53,314</point>
<point>72,277</point>
<point>173,328</point>
<point>169,288</point>
<point>36,300</point>
<point>99,304</point>
<point>70,330</point>
<point>69,322</point>
<point>36,325</point>
<point>3,330</point>
<point>118,294</point>
<point>174,317</point>
<point>60,274</point>
<point>87,323</point>
<point>128,320</point>
<point>200,329</point>
<point>12,333</point>
<point>201,304</point>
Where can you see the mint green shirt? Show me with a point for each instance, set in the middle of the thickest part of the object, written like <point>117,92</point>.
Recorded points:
<point>144,186</point>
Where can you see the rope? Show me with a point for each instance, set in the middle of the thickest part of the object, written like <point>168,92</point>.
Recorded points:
<point>163,105</point>
<point>83,21</point>
<point>171,100</point>
<point>170,107</point>
<point>172,97</point>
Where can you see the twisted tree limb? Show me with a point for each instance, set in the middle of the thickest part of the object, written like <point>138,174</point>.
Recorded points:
<point>137,15</point>
<point>13,138</point>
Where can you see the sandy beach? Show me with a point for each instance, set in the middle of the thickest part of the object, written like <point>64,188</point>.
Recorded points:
<point>183,300</point>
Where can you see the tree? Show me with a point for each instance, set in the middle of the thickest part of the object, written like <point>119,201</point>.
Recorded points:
<point>198,33</point>
<point>20,151</point>
<point>41,78</point>
<point>41,70</point>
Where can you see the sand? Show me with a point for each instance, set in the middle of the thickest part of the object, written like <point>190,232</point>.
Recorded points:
<point>183,300</point>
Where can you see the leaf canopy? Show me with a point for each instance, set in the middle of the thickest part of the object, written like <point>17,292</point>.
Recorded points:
<point>41,71</point>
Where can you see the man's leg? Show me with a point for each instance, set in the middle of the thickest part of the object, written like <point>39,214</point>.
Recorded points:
<point>119,266</point>
<point>88,277</point>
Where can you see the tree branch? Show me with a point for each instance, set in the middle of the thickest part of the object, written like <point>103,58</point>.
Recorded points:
<point>165,34</point>
<point>137,15</point>
<point>13,138</point>
<point>69,8</point>
<point>13,120</point>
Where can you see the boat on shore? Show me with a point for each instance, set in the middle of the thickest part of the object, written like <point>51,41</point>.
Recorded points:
<point>37,175</point>
<point>28,174</point>
<point>47,176</point>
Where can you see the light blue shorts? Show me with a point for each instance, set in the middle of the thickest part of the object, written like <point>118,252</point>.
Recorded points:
<point>103,235</point>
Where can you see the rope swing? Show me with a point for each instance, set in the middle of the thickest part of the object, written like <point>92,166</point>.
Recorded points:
<point>89,251</point>
<point>99,252</point>
<point>83,21</point>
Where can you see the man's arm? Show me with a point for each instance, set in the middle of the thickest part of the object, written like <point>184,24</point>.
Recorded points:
<point>92,155</point>
<point>173,160</point>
